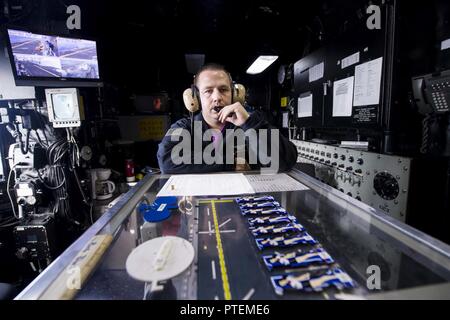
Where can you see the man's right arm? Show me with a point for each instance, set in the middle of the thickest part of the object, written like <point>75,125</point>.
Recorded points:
<point>175,137</point>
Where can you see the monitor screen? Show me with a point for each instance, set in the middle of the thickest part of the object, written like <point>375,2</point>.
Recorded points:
<point>63,108</point>
<point>45,57</point>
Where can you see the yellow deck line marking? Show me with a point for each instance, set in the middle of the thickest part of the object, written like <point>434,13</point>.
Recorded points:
<point>216,201</point>
<point>223,268</point>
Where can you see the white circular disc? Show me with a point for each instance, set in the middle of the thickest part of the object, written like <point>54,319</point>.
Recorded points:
<point>140,262</point>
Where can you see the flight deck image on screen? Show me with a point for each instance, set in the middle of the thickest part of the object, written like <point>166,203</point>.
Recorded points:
<point>38,55</point>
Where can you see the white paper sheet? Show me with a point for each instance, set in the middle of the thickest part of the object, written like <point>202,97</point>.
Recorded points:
<point>285,119</point>
<point>316,72</point>
<point>445,45</point>
<point>275,183</point>
<point>305,106</point>
<point>368,83</point>
<point>206,185</point>
<point>343,97</point>
<point>350,60</point>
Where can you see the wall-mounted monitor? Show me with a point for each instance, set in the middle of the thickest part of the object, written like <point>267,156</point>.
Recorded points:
<point>46,60</point>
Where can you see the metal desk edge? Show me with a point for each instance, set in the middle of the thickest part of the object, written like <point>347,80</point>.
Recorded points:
<point>35,289</point>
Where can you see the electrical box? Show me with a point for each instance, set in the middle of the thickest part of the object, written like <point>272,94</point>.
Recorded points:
<point>35,239</point>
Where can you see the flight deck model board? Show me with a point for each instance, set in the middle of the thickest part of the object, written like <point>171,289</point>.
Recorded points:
<point>251,247</point>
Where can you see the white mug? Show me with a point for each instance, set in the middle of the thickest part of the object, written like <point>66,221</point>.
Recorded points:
<point>110,187</point>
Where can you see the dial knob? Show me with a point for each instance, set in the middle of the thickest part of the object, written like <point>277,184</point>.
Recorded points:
<point>386,186</point>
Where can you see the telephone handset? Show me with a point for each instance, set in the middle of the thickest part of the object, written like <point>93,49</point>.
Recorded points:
<point>192,100</point>
<point>432,92</point>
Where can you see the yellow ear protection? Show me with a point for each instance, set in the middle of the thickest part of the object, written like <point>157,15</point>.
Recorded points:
<point>192,102</point>
<point>191,99</point>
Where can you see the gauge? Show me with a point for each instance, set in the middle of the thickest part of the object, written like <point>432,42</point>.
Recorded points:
<point>386,186</point>
<point>86,153</point>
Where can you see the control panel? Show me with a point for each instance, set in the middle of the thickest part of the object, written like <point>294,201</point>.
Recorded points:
<point>381,181</point>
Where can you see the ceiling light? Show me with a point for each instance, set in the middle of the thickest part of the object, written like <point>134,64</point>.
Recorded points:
<point>261,64</point>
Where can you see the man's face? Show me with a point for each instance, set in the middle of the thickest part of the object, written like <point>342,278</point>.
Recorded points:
<point>215,93</point>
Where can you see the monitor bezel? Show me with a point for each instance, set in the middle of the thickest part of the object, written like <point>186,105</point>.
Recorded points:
<point>62,82</point>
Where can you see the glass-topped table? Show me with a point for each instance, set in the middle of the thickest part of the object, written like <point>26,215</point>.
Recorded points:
<point>364,242</point>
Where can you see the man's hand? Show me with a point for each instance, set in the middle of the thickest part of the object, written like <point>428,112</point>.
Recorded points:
<point>235,113</point>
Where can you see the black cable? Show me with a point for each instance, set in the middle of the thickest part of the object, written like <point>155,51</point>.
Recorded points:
<point>424,148</point>
<point>79,187</point>
<point>27,141</point>
<point>45,136</point>
<point>72,157</point>
<point>39,138</point>
<point>61,152</point>
<point>50,151</point>
<point>48,186</point>
<point>56,177</point>
<point>40,116</point>
<point>61,193</point>
<point>44,145</point>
